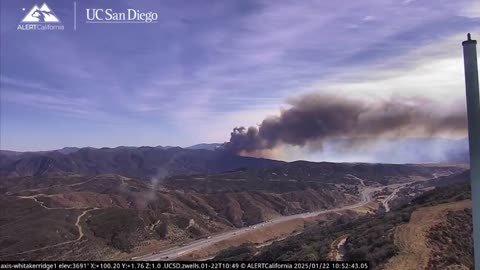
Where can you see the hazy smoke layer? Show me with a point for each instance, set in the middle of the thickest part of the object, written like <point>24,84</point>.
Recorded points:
<point>312,119</point>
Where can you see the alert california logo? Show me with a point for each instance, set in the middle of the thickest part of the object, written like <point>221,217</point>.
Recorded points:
<point>40,18</point>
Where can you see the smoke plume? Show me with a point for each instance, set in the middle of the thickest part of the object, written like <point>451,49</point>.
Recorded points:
<point>314,118</point>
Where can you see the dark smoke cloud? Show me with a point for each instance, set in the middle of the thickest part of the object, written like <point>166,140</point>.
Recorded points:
<point>314,118</point>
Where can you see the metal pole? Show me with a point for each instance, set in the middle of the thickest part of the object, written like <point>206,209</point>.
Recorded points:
<point>473,111</point>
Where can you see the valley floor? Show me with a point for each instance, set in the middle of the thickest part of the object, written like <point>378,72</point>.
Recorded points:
<point>276,228</point>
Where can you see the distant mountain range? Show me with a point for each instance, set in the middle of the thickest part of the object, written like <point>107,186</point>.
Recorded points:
<point>161,162</point>
<point>139,162</point>
<point>206,158</point>
<point>69,150</point>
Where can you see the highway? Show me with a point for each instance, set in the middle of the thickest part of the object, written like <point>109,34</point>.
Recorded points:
<point>389,198</point>
<point>178,251</point>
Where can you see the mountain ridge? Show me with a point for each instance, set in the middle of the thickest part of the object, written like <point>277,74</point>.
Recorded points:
<point>142,162</point>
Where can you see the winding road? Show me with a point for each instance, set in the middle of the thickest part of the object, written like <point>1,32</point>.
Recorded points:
<point>178,251</point>
<point>389,198</point>
<point>77,224</point>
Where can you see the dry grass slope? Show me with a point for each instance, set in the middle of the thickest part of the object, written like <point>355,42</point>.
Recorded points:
<point>451,241</point>
<point>412,238</point>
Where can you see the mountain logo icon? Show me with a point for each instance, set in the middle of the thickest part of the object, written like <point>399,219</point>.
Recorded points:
<point>40,15</point>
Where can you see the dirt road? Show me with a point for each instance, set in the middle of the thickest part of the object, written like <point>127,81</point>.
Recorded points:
<point>80,236</point>
<point>79,226</point>
<point>337,252</point>
<point>411,237</point>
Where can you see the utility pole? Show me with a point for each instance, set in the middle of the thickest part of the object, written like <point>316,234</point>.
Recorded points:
<point>473,111</point>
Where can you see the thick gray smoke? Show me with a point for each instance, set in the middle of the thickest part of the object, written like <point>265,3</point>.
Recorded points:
<point>312,119</point>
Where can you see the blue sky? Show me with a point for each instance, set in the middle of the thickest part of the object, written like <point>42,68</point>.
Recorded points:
<point>208,66</point>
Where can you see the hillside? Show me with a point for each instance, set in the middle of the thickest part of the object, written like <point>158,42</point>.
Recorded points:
<point>159,162</point>
<point>429,227</point>
<point>120,214</point>
<point>107,215</point>
<point>138,162</point>
<point>372,237</point>
<point>450,241</point>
